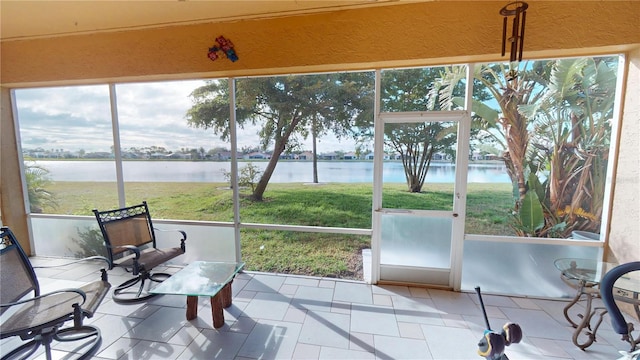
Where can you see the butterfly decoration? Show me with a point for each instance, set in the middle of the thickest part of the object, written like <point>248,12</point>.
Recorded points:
<point>224,47</point>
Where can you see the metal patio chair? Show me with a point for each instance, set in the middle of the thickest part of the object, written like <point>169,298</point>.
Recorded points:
<point>130,240</point>
<point>610,293</point>
<point>37,318</point>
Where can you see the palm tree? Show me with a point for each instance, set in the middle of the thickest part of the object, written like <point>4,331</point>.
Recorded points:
<point>37,179</point>
<point>512,126</point>
<point>573,128</point>
<point>554,126</point>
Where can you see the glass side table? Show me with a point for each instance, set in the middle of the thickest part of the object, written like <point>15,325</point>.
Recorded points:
<point>203,278</point>
<point>585,275</point>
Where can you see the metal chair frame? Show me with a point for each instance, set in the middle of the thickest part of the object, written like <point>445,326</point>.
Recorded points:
<point>610,294</point>
<point>130,240</point>
<point>39,319</point>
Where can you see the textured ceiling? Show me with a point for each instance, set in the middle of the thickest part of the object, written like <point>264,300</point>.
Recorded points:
<point>21,19</point>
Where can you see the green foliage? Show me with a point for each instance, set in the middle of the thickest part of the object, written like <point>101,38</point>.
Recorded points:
<point>285,107</point>
<point>90,243</point>
<point>38,183</point>
<point>554,121</point>
<point>572,137</point>
<point>530,216</point>
<point>249,175</point>
<point>419,90</point>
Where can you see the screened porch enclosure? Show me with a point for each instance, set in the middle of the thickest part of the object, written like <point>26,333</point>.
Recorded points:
<point>448,244</point>
<point>488,263</point>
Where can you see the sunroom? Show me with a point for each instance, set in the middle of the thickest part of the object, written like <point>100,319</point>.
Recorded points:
<point>87,87</point>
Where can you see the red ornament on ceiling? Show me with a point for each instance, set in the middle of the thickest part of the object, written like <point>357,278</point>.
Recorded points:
<point>223,47</point>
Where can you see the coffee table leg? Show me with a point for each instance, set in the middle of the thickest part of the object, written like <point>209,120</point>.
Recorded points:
<point>217,310</point>
<point>226,295</point>
<point>192,307</point>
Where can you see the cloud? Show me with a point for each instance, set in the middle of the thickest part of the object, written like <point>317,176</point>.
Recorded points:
<point>150,114</point>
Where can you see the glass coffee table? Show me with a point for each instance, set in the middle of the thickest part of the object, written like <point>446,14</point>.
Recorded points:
<point>203,278</point>
<point>585,276</point>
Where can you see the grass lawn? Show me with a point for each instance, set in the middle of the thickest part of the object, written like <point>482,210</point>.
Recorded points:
<point>331,205</point>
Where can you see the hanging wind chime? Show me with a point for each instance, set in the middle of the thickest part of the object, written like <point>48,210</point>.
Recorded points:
<point>517,10</point>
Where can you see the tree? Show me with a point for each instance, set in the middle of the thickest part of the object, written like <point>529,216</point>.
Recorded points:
<point>571,139</point>
<point>554,127</point>
<point>358,88</point>
<point>417,143</point>
<point>513,127</point>
<point>506,127</point>
<point>283,106</point>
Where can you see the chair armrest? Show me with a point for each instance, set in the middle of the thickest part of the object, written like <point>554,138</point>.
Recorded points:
<point>184,236</point>
<point>618,322</point>
<point>131,248</point>
<point>102,258</point>
<point>77,291</point>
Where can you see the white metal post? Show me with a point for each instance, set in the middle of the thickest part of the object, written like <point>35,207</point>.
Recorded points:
<point>234,166</point>
<point>113,100</point>
<point>460,188</point>
<point>378,156</point>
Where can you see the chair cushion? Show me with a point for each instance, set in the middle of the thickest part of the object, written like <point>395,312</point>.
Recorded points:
<point>54,308</point>
<point>96,292</point>
<point>150,258</point>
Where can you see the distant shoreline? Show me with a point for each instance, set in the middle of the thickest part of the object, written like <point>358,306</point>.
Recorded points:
<point>251,160</point>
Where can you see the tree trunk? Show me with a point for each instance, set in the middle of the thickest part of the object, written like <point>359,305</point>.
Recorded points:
<point>517,136</point>
<point>278,149</point>
<point>315,156</point>
<point>415,186</point>
<point>268,171</point>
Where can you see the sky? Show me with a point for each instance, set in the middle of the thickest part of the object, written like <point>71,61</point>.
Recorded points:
<point>79,117</point>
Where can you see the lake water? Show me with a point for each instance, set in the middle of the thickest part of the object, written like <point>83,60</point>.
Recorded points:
<point>286,171</point>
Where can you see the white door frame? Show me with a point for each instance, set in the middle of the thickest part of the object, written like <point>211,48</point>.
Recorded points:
<point>463,119</point>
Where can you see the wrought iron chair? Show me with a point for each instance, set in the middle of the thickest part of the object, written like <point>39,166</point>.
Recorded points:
<point>130,240</point>
<point>39,319</point>
<point>609,294</point>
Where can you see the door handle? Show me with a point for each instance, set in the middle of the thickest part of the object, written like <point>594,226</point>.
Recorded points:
<point>396,211</point>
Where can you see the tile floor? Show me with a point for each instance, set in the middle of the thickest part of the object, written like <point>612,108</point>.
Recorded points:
<point>290,317</point>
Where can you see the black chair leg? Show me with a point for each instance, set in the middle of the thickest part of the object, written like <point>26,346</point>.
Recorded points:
<point>23,351</point>
<point>159,277</point>
<point>122,296</point>
<point>26,350</point>
<point>81,333</point>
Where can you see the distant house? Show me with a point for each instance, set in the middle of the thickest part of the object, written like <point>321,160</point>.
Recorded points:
<point>98,155</point>
<point>370,156</point>
<point>128,155</point>
<point>329,156</point>
<point>306,155</point>
<point>350,156</point>
<point>288,156</point>
<point>257,156</point>
<point>179,156</point>
<point>222,156</point>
